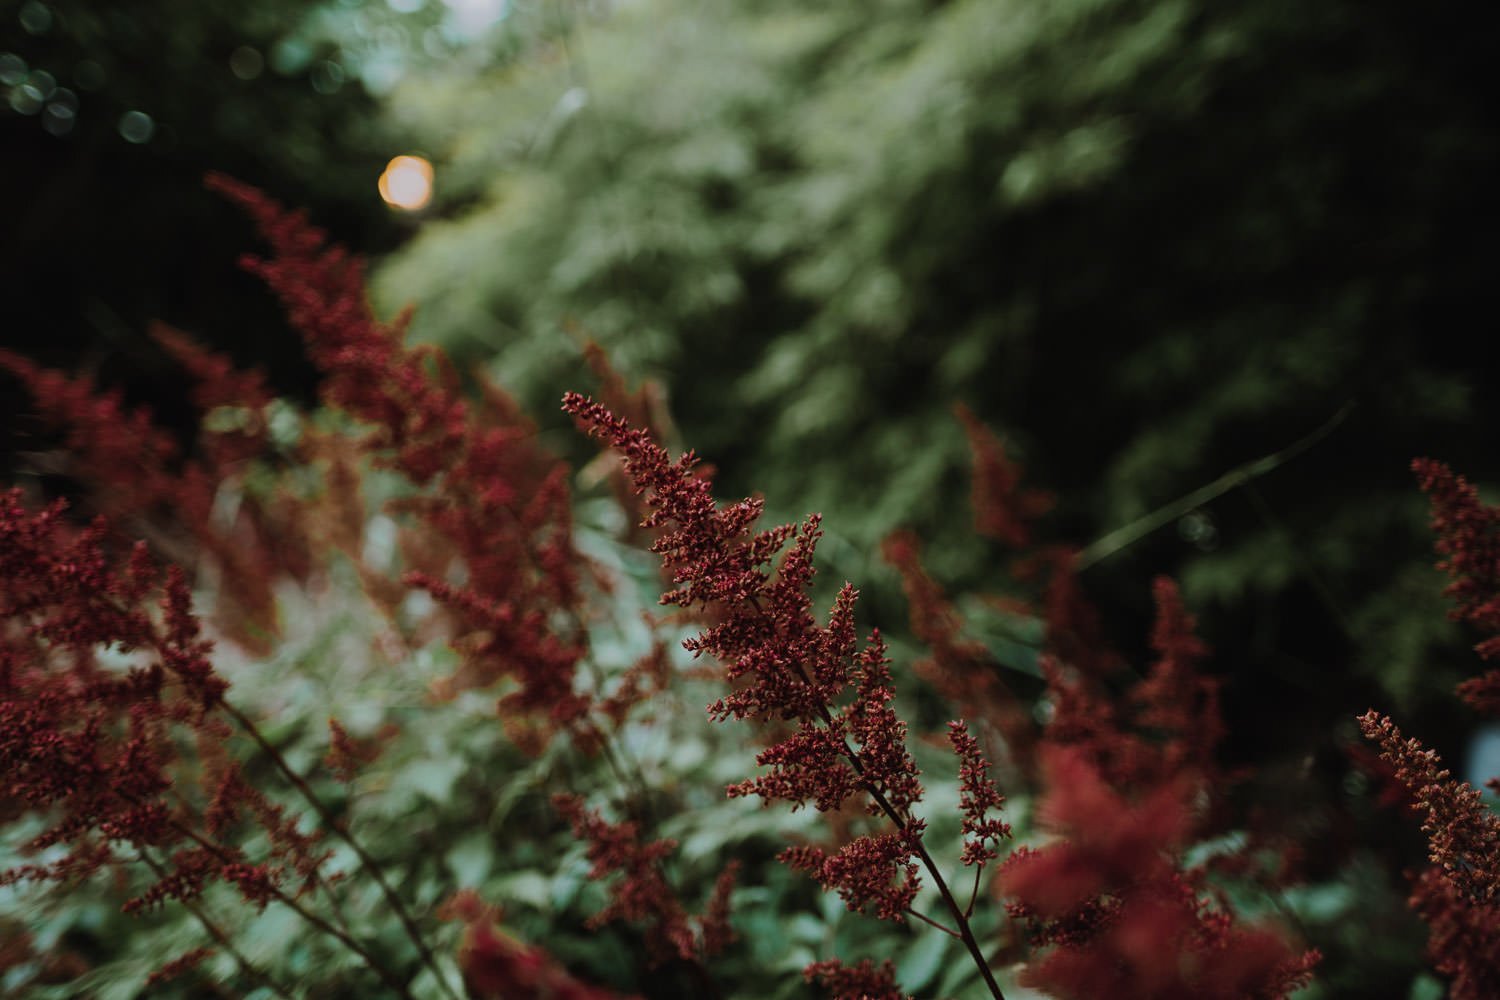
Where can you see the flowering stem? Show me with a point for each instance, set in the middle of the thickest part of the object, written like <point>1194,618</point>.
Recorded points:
<point>933,923</point>
<point>960,917</point>
<point>218,934</point>
<point>974,894</point>
<point>965,932</point>
<point>312,918</point>
<point>367,863</point>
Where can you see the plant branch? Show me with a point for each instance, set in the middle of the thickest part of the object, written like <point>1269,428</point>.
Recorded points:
<point>1123,537</point>
<point>960,917</point>
<point>218,851</point>
<point>367,863</point>
<point>218,934</point>
<point>910,912</point>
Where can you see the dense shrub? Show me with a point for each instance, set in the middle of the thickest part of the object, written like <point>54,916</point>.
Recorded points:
<point>423,695</point>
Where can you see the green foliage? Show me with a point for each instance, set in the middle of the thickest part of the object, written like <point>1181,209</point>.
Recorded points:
<point>1118,230</point>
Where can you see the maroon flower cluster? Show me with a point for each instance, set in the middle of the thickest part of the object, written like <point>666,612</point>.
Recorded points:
<point>864,981</point>
<point>787,667</point>
<point>1462,831</point>
<point>1003,510</point>
<point>100,752</point>
<point>977,796</point>
<point>847,740</point>
<point>643,894</point>
<point>140,480</point>
<point>1459,894</point>
<point>1468,541</point>
<point>500,501</point>
<point>496,966</point>
<point>1109,902</point>
<point>960,669</point>
<point>94,748</point>
<point>495,506</point>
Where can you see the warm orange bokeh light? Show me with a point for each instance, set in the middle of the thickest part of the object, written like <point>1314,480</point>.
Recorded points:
<point>406,183</point>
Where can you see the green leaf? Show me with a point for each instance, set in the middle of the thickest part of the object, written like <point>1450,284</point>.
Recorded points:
<point>921,961</point>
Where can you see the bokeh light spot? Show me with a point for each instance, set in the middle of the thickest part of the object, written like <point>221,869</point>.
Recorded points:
<point>25,100</point>
<point>59,118</point>
<point>12,68</point>
<point>42,82</point>
<point>246,62</point>
<point>136,127</point>
<point>36,17</point>
<point>406,183</point>
<point>474,17</point>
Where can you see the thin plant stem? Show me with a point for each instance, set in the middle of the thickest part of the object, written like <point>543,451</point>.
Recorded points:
<point>965,932</point>
<point>367,863</point>
<point>218,851</point>
<point>960,918</point>
<point>220,936</point>
<point>932,923</point>
<point>1123,537</point>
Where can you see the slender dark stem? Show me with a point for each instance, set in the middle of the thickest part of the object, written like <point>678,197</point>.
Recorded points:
<point>933,923</point>
<point>219,935</point>
<point>1133,532</point>
<point>312,918</point>
<point>974,893</point>
<point>960,918</point>
<point>367,862</point>
<point>965,932</point>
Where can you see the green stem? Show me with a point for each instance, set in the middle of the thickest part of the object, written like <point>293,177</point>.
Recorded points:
<point>220,936</point>
<point>330,822</point>
<point>1133,532</point>
<point>310,917</point>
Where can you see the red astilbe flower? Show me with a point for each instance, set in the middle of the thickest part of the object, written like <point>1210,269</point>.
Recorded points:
<point>960,669</point>
<point>1002,509</point>
<point>1462,832</point>
<point>497,966</point>
<point>789,668</point>
<point>180,965</point>
<point>1074,631</point>
<point>100,754</point>
<point>1127,781</point>
<point>1462,941</point>
<point>847,741</point>
<point>1468,540</point>
<point>1175,704</point>
<point>138,478</point>
<point>1167,724</point>
<point>1006,512</point>
<point>977,796</point>
<point>347,756</point>
<point>95,750</point>
<point>645,407</point>
<point>218,385</point>
<point>643,894</point>
<point>120,448</point>
<point>1114,913</point>
<point>865,981</point>
<point>1459,896</point>
<point>500,501</point>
